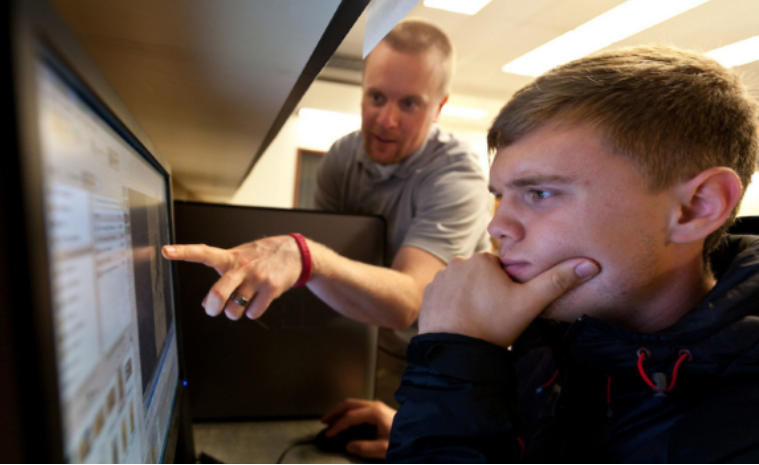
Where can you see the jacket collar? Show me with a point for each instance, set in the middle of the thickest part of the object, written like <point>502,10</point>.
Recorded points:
<point>724,327</point>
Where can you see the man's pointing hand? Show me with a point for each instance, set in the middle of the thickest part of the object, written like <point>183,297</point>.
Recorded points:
<point>258,272</point>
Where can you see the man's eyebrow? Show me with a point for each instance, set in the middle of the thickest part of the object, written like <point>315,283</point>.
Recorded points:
<point>418,97</point>
<point>539,180</point>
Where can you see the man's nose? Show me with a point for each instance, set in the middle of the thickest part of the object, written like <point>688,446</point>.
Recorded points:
<point>505,226</point>
<point>388,116</point>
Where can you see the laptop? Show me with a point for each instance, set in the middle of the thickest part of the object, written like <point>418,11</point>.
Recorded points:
<point>301,357</point>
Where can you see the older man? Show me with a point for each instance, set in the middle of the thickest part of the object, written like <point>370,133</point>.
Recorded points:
<point>400,165</point>
<point>427,185</point>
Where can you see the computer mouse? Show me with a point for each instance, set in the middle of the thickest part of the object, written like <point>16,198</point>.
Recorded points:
<point>338,442</point>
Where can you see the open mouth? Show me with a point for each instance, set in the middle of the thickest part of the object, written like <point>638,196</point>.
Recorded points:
<point>383,141</point>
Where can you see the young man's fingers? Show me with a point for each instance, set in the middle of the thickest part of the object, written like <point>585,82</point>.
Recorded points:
<point>197,253</point>
<point>376,449</point>
<point>554,282</point>
<point>339,410</point>
<point>217,297</point>
<point>353,417</point>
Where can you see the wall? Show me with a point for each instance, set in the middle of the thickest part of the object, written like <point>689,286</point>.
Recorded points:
<point>272,181</point>
<point>750,204</point>
<point>180,192</point>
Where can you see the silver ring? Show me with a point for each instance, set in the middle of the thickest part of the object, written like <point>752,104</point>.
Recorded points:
<point>239,300</point>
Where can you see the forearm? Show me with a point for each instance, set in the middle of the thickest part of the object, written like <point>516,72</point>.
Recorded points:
<point>366,293</point>
<point>454,403</point>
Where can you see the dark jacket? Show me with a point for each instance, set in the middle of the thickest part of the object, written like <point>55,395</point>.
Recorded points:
<point>593,392</point>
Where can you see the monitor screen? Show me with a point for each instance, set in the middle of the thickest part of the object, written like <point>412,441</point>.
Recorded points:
<point>106,216</point>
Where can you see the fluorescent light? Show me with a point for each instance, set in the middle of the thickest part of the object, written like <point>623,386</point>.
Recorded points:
<point>738,53</point>
<point>462,112</point>
<point>467,7</point>
<point>616,24</point>
<point>324,116</point>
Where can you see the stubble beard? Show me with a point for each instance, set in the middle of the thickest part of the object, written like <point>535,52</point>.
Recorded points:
<point>395,158</point>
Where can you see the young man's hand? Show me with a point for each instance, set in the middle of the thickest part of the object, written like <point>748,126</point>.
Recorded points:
<point>476,298</point>
<point>354,412</point>
<point>258,271</point>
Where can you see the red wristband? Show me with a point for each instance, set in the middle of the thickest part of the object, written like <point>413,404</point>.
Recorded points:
<point>305,260</point>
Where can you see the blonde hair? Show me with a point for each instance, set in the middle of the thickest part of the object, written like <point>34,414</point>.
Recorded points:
<point>674,113</point>
<point>416,36</point>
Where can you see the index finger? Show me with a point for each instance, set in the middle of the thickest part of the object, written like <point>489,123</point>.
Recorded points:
<point>196,253</point>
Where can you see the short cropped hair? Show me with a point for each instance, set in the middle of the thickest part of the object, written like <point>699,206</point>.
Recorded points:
<point>415,36</point>
<point>672,112</point>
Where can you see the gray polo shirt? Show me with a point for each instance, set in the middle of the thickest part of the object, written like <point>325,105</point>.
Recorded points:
<point>436,200</point>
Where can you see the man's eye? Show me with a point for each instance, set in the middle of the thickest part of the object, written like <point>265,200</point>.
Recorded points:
<point>408,103</point>
<point>541,194</point>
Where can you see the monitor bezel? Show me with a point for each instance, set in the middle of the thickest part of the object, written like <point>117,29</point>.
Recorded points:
<point>32,380</point>
<point>11,447</point>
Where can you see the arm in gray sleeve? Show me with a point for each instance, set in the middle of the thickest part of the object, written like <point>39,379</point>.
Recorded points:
<point>452,213</point>
<point>328,180</point>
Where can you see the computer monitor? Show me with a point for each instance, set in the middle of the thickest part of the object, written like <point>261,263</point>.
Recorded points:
<point>300,358</point>
<point>91,366</point>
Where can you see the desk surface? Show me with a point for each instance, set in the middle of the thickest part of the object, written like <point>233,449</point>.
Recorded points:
<point>264,442</point>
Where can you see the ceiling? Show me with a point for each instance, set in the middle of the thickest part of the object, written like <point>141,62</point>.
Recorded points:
<point>205,79</point>
<point>507,29</point>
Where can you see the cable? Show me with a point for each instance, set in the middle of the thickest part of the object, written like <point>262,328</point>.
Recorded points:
<point>292,446</point>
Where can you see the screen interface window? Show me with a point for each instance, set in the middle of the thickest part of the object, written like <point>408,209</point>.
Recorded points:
<point>107,219</point>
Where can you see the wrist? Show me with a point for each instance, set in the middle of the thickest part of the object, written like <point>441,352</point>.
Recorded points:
<point>306,260</point>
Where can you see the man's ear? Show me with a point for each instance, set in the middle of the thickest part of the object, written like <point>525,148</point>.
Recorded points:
<point>704,203</point>
<point>440,107</point>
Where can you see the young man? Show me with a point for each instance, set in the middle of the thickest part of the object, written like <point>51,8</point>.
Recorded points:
<point>618,323</point>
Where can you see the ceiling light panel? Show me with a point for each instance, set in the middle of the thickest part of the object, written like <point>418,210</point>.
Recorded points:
<point>625,20</point>
<point>738,53</point>
<point>467,7</point>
